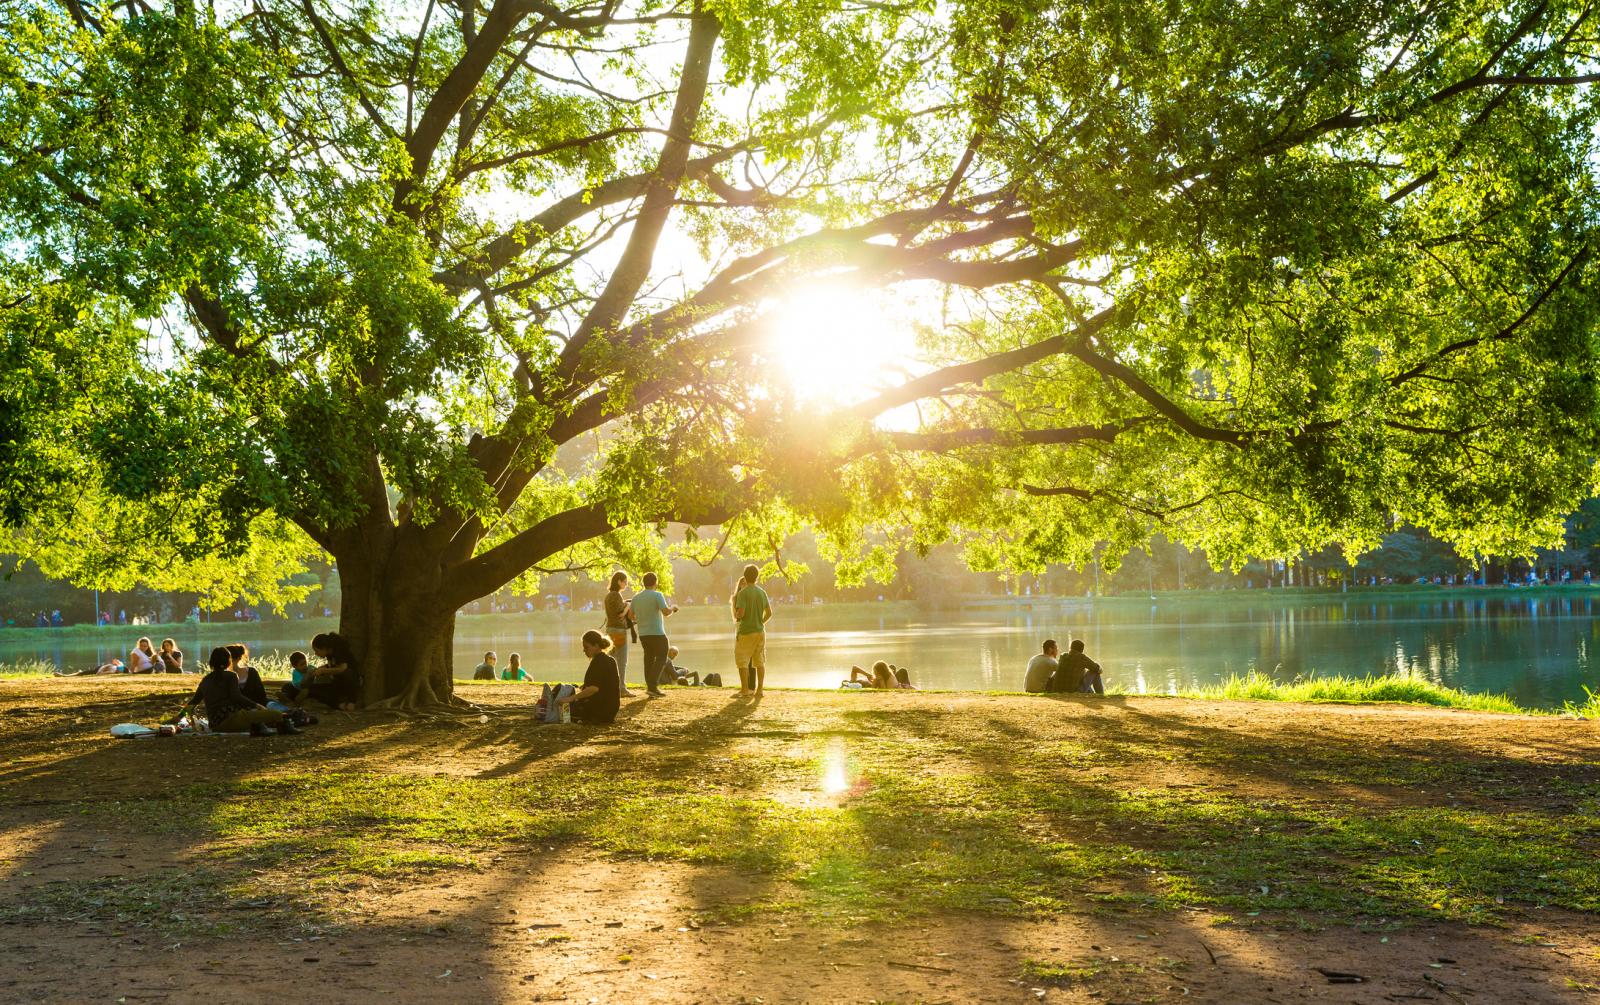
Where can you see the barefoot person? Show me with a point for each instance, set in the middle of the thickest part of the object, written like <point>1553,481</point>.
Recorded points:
<point>651,609</point>
<point>619,619</point>
<point>599,698</point>
<point>752,609</point>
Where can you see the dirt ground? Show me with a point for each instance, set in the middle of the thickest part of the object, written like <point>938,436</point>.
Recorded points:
<point>573,923</point>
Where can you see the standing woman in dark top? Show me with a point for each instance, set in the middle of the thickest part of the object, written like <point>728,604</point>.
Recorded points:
<point>337,683</point>
<point>619,619</point>
<point>228,708</point>
<point>599,698</point>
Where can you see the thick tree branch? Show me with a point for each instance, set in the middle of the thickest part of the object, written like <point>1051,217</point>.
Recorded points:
<point>453,94</point>
<point>633,267</point>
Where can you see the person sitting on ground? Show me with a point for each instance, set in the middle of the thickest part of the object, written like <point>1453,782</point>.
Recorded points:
<point>142,658</point>
<point>485,670</point>
<point>884,677</point>
<point>294,692</point>
<point>171,657</point>
<point>672,673</point>
<point>337,682</point>
<point>228,708</point>
<point>1077,673</point>
<point>1041,667</point>
<point>115,666</point>
<point>249,679</point>
<point>513,670</point>
<point>600,697</point>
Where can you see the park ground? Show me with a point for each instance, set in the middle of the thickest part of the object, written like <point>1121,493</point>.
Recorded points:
<point>801,847</point>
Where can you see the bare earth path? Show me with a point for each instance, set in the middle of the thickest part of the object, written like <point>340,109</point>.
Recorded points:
<point>801,847</point>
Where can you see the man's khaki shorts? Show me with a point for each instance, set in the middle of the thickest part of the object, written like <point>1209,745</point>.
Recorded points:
<point>750,649</point>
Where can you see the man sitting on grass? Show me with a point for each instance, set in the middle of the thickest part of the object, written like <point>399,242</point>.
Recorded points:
<point>1077,673</point>
<point>672,673</point>
<point>1040,668</point>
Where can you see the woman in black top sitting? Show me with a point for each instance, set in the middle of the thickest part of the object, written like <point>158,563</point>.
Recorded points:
<point>600,697</point>
<point>228,708</point>
<point>337,683</point>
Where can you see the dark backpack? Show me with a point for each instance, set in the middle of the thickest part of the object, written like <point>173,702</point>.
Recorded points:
<point>712,680</point>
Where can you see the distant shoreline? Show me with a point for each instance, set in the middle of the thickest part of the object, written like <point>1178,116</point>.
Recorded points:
<point>275,626</point>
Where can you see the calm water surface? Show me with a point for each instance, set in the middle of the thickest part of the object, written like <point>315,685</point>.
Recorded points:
<point>1534,647</point>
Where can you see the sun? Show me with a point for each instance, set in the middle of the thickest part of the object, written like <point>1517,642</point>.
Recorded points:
<point>835,343</point>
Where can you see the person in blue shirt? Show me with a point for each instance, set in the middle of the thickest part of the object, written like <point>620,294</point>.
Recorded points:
<point>651,611</point>
<point>299,678</point>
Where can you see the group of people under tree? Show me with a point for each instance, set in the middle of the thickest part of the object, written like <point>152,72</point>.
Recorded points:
<point>235,699</point>
<point>1074,673</point>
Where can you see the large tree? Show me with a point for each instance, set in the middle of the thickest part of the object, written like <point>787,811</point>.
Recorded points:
<point>1267,275</point>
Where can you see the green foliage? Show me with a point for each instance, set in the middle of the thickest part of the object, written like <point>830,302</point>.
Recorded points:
<point>330,276</point>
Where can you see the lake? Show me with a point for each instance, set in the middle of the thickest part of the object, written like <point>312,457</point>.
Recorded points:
<point>1533,646</point>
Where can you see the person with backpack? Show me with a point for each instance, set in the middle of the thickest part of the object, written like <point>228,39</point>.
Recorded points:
<point>597,701</point>
<point>752,609</point>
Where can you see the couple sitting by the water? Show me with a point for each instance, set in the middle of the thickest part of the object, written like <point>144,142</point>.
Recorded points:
<point>1073,673</point>
<point>884,677</point>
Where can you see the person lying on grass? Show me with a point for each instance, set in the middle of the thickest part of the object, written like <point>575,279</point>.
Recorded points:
<point>600,696</point>
<point>884,676</point>
<point>672,673</point>
<point>228,708</point>
<point>115,666</point>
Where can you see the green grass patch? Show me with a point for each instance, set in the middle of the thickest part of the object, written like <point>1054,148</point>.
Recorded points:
<point>1404,688</point>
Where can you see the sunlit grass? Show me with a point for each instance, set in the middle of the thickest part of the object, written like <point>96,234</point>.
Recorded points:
<point>1402,688</point>
<point>1588,709</point>
<point>27,668</point>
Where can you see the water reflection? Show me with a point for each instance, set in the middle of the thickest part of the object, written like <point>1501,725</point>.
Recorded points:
<point>1536,648</point>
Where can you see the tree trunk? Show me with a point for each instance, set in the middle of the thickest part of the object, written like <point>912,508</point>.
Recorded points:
<point>402,632</point>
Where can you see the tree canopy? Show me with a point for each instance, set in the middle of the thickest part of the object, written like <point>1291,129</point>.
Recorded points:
<point>300,274</point>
